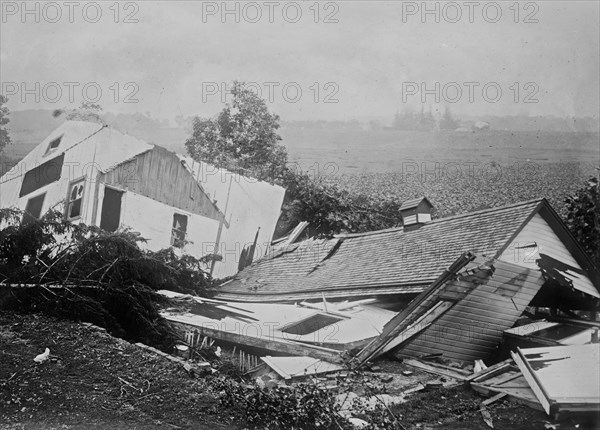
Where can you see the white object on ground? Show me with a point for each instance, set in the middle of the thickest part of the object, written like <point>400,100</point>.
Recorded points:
<point>479,366</point>
<point>42,357</point>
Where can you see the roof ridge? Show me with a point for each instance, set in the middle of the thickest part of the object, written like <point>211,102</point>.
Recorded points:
<point>439,220</point>
<point>494,209</point>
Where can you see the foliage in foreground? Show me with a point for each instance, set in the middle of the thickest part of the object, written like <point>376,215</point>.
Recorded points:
<point>298,406</point>
<point>85,273</point>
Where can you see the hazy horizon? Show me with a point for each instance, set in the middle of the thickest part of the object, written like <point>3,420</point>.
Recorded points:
<point>360,60</point>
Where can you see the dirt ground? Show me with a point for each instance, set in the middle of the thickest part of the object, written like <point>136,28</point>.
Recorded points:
<point>92,380</point>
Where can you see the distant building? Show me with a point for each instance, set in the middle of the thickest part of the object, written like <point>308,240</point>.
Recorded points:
<point>481,126</point>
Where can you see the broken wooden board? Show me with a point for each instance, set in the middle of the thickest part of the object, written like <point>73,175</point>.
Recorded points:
<point>296,367</point>
<point>493,399</point>
<point>261,343</point>
<point>565,379</point>
<point>547,333</point>
<point>438,369</point>
<point>504,378</point>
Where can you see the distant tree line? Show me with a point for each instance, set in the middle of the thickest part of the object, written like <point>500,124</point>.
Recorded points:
<point>423,121</point>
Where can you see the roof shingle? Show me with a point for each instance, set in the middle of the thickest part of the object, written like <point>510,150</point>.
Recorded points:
<point>380,262</point>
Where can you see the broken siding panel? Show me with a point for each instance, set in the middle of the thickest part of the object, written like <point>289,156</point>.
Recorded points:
<point>159,175</point>
<point>473,327</point>
<point>563,378</point>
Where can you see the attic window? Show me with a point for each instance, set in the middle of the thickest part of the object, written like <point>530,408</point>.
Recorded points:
<point>53,146</point>
<point>179,230</point>
<point>310,325</point>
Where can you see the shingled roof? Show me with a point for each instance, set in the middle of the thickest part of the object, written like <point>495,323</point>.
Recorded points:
<point>390,261</point>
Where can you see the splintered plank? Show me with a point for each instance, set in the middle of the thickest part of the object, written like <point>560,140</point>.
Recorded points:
<point>493,399</point>
<point>436,370</point>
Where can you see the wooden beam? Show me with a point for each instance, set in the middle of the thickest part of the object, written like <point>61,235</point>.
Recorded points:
<point>269,344</point>
<point>490,371</point>
<point>435,370</point>
<point>492,399</point>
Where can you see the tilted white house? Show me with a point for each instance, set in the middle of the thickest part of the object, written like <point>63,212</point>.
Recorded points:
<point>99,176</point>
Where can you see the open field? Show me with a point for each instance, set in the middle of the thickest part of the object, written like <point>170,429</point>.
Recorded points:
<point>329,152</point>
<point>458,172</point>
<point>455,191</point>
<point>356,151</point>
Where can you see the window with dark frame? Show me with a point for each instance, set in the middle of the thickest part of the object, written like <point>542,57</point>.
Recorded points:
<point>75,199</point>
<point>33,210</point>
<point>179,230</point>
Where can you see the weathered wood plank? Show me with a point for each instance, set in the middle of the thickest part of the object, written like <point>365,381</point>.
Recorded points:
<point>270,344</point>
<point>436,370</point>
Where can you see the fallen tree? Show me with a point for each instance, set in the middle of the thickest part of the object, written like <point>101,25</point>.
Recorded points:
<point>84,273</point>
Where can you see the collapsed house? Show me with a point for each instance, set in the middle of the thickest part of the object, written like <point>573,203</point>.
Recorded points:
<point>101,177</point>
<point>395,265</point>
<point>458,289</point>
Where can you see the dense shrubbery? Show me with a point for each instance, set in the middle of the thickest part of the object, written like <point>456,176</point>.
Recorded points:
<point>330,209</point>
<point>85,273</point>
<point>583,218</point>
<point>298,406</point>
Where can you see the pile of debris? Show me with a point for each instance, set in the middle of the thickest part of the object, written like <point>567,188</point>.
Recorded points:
<point>478,309</point>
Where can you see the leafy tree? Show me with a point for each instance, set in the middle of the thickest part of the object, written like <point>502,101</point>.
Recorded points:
<point>583,218</point>
<point>447,122</point>
<point>4,137</point>
<point>243,137</point>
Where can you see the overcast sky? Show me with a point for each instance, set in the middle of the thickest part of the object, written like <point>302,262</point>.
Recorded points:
<point>364,60</point>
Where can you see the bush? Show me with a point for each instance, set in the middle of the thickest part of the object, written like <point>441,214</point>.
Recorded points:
<point>302,406</point>
<point>331,210</point>
<point>583,218</point>
<point>298,406</point>
<point>85,273</point>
